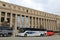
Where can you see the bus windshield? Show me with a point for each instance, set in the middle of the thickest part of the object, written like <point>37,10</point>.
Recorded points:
<point>21,31</point>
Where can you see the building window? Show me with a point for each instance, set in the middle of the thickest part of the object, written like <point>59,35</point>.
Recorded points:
<point>27,21</point>
<point>4,5</point>
<point>18,21</point>
<point>2,19</point>
<point>13,19</point>
<point>8,20</point>
<point>37,21</point>
<point>34,21</point>
<point>13,15</point>
<point>30,21</point>
<point>23,21</point>
<point>8,14</point>
<point>3,13</point>
<point>26,10</point>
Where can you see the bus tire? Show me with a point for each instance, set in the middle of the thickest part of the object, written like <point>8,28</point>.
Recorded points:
<point>25,35</point>
<point>45,34</point>
<point>41,35</point>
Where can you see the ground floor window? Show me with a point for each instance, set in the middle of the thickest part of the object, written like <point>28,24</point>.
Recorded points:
<point>2,19</point>
<point>27,21</point>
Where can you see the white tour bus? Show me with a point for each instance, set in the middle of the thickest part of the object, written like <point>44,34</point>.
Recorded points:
<point>31,32</point>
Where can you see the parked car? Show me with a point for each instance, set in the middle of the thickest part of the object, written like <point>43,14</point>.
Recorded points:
<point>49,33</point>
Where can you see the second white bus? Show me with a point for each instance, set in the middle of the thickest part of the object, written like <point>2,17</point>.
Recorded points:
<point>31,32</point>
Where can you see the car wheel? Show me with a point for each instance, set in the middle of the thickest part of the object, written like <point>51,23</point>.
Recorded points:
<point>25,35</point>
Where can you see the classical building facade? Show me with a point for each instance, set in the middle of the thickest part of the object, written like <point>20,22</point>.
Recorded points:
<point>18,16</point>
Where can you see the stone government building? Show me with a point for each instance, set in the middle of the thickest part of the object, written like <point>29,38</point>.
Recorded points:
<point>19,16</point>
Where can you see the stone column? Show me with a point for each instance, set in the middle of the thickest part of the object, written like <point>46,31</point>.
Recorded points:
<point>41,21</point>
<point>38,23</point>
<point>24,20</point>
<point>35,22</point>
<point>50,25</point>
<point>29,21</point>
<point>0,18</point>
<point>32,22</point>
<point>20,20</point>
<point>5,16</point>
<point>56,25</point>
<point>11,20</point>
<point>53,25</point>
<point>41,26</point>
<point>46,24</point>
<point>15,26</point>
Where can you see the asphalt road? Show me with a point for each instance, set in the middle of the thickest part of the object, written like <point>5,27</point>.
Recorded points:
<point>55,37</point>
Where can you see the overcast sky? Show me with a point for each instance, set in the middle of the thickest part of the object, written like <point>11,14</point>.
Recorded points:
<point>51,6</point>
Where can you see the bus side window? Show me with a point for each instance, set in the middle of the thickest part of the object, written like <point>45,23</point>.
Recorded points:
<point>30,32</point>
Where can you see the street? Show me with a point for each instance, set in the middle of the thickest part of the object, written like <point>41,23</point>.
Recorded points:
<point>55,37</point>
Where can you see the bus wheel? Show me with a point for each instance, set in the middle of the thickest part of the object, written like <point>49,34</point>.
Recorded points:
<point>45,34</point>
<point>41,35</point>
<point>25,35</point>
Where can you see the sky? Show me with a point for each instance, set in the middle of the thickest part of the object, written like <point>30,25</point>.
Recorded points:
<point>50,6</point>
